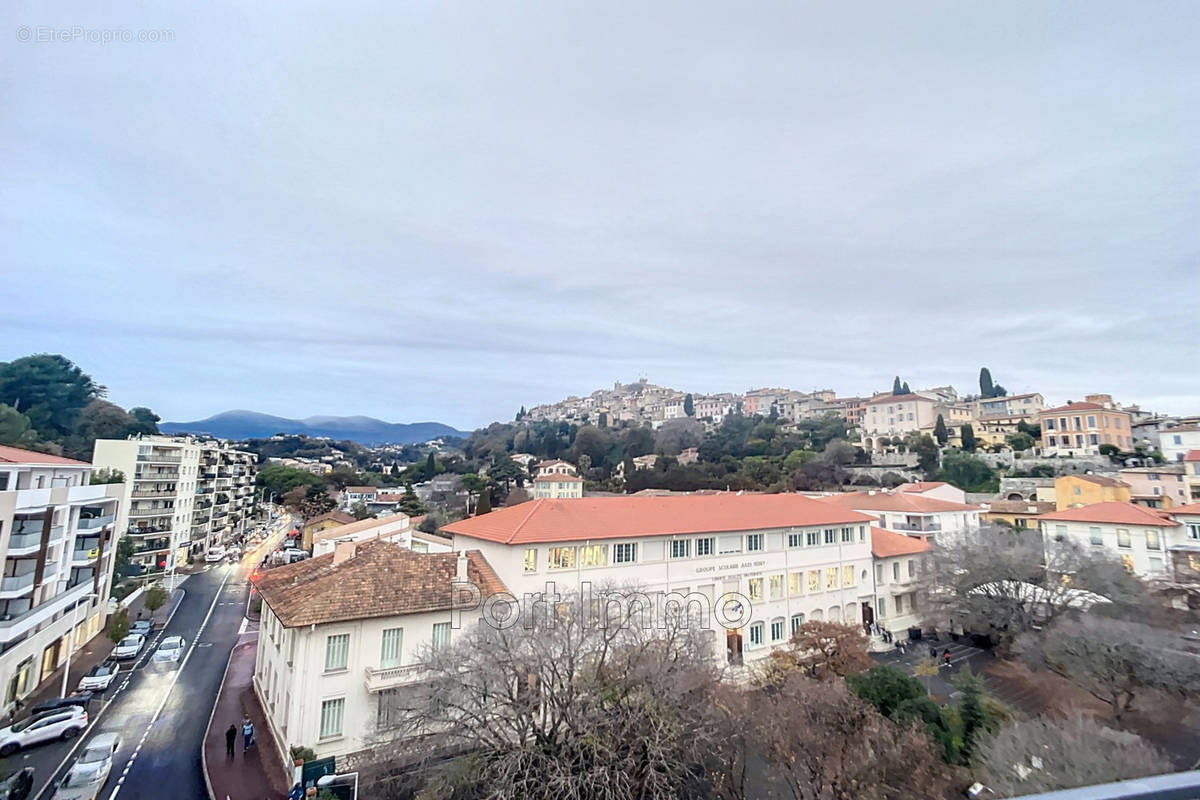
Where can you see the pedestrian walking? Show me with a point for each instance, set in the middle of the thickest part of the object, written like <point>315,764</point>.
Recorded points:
<point>247,734</point>
<point>946,657</point>
<point>230,738</point>
<point>932,651</point>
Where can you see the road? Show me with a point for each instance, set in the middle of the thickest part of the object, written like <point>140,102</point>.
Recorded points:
<point>161,712</point>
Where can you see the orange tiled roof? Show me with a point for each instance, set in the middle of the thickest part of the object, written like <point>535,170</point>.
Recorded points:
<point>1113,513</point>
<point>381,579</point>
<point>355,526</point>
<point>550,477</point>
<point>1099,480</point>
<point>15,455</point>
<point>547,520</point>
<point>340,517</point>
<point>1081,406</point>
<point>886,501</point>
<point>1190,508</point>
<point>885,544</point>
<point>920,486</point>
<point>1019,506</point>
<point>896,398</point>
<point>1192,455</point>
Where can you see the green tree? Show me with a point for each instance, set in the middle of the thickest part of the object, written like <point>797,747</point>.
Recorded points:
<point>99,419</point>
<point>904,388</point>
<point>15,428</point>
<point>485,503</point>
<point>1020,442</point>
<point>281,480</point>
<point>410,504</point>
<point>431,467</point>
<point>360,511</point>
<point>146,419</point>
<point>939,431</point>
<point>896,387</point>
<point>797,459</point>
<point>154,598</point>
<point>886,688</point>
<point>985,382</point>
<point>968,473</point>
<point>969,443</point>
<point>49,390</point>
<point>927,454</point>
<point>689,405</point>
<point>118,626</point>
<point>1031,429</point>
<point>121,559</point>
<point>102,476</point>
<point>507,471</point>
<point>970,710</point>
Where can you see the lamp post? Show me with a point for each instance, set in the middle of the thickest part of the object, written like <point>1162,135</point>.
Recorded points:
<point>71,641</point>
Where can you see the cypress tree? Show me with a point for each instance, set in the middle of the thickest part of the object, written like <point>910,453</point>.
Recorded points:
<point>969,442</point>
<point>940,432</point>
<point>904,389</point>
<point>484,505</point>
<point>896,387</point>
<point>430,465</point>
<point>986,387</point>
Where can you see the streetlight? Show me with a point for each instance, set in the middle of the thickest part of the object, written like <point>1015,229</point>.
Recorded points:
<point>71,641</point>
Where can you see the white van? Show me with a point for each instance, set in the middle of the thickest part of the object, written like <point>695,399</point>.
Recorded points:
<point>214,554</point>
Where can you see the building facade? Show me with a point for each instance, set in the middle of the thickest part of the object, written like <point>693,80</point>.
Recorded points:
<point>57,546</point>
<point>1072,491</point>
<point>899,565</point>
<point>1161,486</point>
<point>557,486</point>
<point>1175,443</point>
<point>908,512</point>
<point>1079,429</point>
<point>1140,537</point>
<point>182,494</point>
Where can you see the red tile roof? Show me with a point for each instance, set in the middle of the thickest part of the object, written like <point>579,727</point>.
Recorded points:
<point>551,477</point>
<point>548,520</point>
<point>1113,513</point>
<point>1189,509</point>
<point>920,486</point>
<point>1192,455</point>
<point>340,517</point>
<point>1099,480</point>
<point>15,455</point>
<point>885,501</point>
<point>885,544</point>
<point>1079,407</point>
<point>381,579</point>
<point>896,398</point>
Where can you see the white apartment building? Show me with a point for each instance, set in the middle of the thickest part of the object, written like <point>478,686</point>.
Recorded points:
<point>791,557</point>
<point>1175,443</point>
<point>557,486</point>
<point>1185,550</point>
<point>342,637</point>
<point>889,416</point>
<point>396,528</point>
<point>1026,406</point>
<point>182,494</point>
<point>57,550</point>
<point>1140,537</point>
<point>909,512</point>
<point>899,566</point>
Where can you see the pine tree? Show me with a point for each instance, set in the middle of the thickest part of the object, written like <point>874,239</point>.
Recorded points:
<point>689,405</point>
<point>970,710</point>
<point>485,502</point>
<point>904,388</point>
<point>896,387</point>
<point>986,387</point>
<point>430,465</point>
<point>939,431</point>
<point>969,442</point>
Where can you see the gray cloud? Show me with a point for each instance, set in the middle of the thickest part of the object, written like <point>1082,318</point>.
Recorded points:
<point>447,210</point>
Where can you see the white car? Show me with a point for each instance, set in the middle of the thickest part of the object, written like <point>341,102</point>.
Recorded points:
<point>170,649</point>
<point>63,724</point>
<point>99,677</point>
<point>214,554</point>
<point>90,771</point>
<point>129,647</point>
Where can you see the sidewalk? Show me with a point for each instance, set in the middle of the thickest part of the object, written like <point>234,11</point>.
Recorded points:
<point>88,656</point>
<point>252,774</point>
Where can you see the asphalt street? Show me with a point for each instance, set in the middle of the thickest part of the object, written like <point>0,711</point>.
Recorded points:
<point>161,711</point>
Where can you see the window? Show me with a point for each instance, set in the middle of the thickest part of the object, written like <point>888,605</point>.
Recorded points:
<point>1193,530</point>
<point>441,635</point>
<point>1060,532</point>
<point>1152,540</point>
<point>812,538</point>
<point>754,543</point>
<point>331,717</point>
<point>681,548</point>
<point>1050,441</point>
<point>1093,439</point>
<point>847,535</point>
<point>530,559</point>
<point>831,536</point>
<point>814,581</point>
<point>848,575</point>
<point>1049,424</point>
<point>881,607</point>
<point>389,655</point>
<point>879,573</point>
<point>895,570</point>
<point>1095,535</point>
<point>594,554</point>
<point>754,589</point>
<point>862,533</point>
<point>561,558</point>
<point>1123,537</point>
<point>831,577</point>
<point>704,547</point>
<point>1177,439</point>
<point>1091,422</point>
<point>912,568</point>
<point>795,583</point>
<point>775,586</point>
<point>1156,565</point>
<point>1078,490</point>
<point>337,650</point>
<point>730,544</point>
<point>777,630</point>
<point>756,634</point>
<point>795,539</point>
<point>899,604</point>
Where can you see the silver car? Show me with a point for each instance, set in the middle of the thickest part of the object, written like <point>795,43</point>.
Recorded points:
<point>90,771</point>
<point>170,649</point>
<point>129,647</point>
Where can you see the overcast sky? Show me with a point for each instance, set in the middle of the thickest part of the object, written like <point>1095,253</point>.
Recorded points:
<point>445,210</point>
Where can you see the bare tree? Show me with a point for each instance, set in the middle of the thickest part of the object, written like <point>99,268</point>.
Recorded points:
<point>1113,659</point>
<point>822,650</point>
<point>1002,582</point>
<point>575,700</point>
<point>1042,754</point>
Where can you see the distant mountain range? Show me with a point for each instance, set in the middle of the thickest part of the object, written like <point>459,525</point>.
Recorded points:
<point>364,430</point>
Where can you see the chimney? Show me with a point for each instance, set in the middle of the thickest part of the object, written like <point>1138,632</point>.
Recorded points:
<point>461,567</point>
<point>344,551</point>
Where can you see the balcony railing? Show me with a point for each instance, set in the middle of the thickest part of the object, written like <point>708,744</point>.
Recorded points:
<point>81,556</point>
<point>380,679</point>
<point>151,512</point>
<point>134,531</point>
<point>92,523</point>
<point>153,546</point>
<point>24,541</point>
<point>163,475</point>
<point>159,458</point>
<point>929,527</point>
<point>29,526</point>
<point>152,493</point>
<point>17,583</point>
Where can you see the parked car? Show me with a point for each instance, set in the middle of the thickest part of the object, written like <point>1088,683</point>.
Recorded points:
<point>143,628</point>
<point>65,723</point>
<point>170,649</point>
<point>214,554</point>
<point>17,786</point>
<point>80,699</point>
<point>129,647</point>
<point>100,677</point>
<point>88,774</point>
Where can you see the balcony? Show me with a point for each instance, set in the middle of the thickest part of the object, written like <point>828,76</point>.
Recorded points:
<point>159,458</point>
<point>23,544</point>
<point>153,546</point>
<point>14,627</point>
<point>925,527</point>
<point>94,523</point>
<point>379,679</point>
<point>164,475</point>
<point>16,585</point>
<point>151,493</point>
<point>135,513</point>
<point>146,531</point>
<point>82,556</point>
